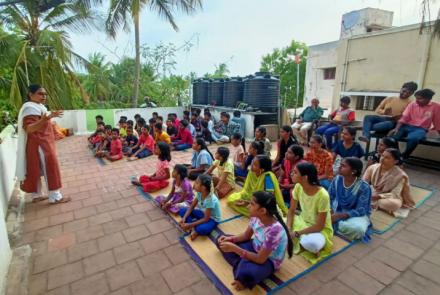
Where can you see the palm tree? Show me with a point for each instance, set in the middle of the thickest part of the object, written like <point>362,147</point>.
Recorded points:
<point>122,10</point>
<point>41,51</point>
<point>98,82</point>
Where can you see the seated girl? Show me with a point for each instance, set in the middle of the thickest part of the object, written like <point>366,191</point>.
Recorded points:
<point>183,140</point>
<point>259,251</point>
<point>294,156</point>
<point>321,159</point>
<point>255,148</point>
<point>260,178</point>
<point>204,219</point>
<point>389,183</point>
<point>286,140</point>
<point>346,147</point>
<point>159,179</point>
<point>312,230</point>
<point>384,143</point>
<point>223,169</point>
<point>350,199</point>
<point>260,135</point>
<point>237,153</point>
<point>144,146</point>
<point>201,159</point>
<point>181,194</point>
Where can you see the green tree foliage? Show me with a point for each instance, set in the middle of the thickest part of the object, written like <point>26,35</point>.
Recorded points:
<point>281,62</point>
<point>35,41</point>
<point>123,11</point>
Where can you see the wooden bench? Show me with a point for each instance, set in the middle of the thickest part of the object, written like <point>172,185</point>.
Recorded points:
<point>427,163</point>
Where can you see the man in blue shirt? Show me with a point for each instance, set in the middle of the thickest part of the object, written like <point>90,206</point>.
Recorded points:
<point>305,120</point>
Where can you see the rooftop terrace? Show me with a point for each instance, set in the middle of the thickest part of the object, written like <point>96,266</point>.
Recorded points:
<point>109,240</point>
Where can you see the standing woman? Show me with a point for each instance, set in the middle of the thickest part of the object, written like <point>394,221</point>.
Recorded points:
<point>36,148</point>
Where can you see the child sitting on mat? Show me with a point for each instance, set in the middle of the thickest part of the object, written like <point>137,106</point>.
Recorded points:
<point>255,148</point>
<point>204,219</point>
<point>259,251</point>
<point>144,146</point>
<point>159,179</point>
<point>223,173</point>
<point>183,140</point>
<point>130,141</point>
<point>115,147</point>
<point>312,230</point>
<point>181,194</point>
<point>237,150</point>
<point>201,159</point>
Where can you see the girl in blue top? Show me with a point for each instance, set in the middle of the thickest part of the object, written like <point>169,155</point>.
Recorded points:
<point>350,200</point>
<point>204,219</point>
<point>346,147</point>
<point>201,160</point>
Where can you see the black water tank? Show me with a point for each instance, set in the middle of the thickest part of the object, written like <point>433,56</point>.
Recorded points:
<point>195,94</point>
<point>202,91</point>
<point>215,93</point>
<point>262,91</point>
<point>232,91</point>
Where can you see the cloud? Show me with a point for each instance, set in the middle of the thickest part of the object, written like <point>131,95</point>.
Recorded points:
<point>241,31</point>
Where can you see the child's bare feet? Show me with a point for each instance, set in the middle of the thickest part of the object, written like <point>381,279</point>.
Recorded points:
<point>238,286</point>
<point>194,235</point>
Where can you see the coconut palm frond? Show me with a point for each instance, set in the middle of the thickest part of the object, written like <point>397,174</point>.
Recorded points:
<point>118,16</point>
<point>164,9</point>
<point>188,6</point>
<point>11,17</point>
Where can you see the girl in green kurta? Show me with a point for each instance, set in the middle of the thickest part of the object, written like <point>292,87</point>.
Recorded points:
<point>312,230</point>
<point>260,178</point>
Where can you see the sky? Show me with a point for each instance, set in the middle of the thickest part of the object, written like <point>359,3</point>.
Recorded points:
<point>240,32</point>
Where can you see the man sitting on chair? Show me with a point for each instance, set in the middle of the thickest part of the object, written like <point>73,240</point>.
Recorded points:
<point>305,120</point>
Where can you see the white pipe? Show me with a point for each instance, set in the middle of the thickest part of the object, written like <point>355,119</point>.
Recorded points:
<point>425,58</point>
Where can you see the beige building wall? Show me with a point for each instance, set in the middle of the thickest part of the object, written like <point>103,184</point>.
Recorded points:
<point>382,61</point>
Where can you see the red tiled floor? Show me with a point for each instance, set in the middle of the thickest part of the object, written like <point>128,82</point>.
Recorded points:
<point>109,240</point>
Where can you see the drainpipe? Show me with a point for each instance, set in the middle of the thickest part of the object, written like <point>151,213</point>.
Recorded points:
<point>344,76</point>
<point>425,59</point>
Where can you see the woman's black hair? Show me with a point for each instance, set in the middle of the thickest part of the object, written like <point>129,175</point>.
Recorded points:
<point>181,170</point>
<point>224,153</point>
<point>141,121</point>
<point>395,153</point>
<point>297,150</point>
<point>267,200</point>
<point>309,170</point>
<point>265,162</point>
<point>262,130</point>
<point>258,146</point>
<point>351,131</point>
<point>288,129</point>
<point>355,165</point>
<point>390,142</point>
<point>158,126</point>
<point>318,139</point>
<point>202,143</point>
<point>206,181</point>
<point>137,116</point>
<point>165,153</point>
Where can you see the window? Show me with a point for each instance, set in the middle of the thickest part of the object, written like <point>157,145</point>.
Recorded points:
<point>329,73</point>
<point>368,103</point>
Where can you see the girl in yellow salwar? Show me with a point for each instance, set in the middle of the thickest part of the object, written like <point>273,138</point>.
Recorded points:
<point>259,178</point>
<point>312,230</point>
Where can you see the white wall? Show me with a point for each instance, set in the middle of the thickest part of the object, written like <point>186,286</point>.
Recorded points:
<point>320,57</point>
<point>8,156</point>
<point>147,113</point>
